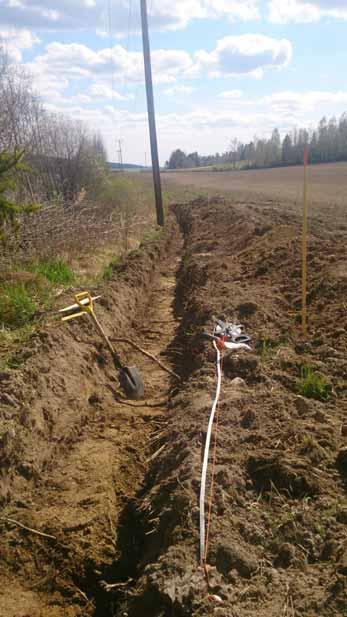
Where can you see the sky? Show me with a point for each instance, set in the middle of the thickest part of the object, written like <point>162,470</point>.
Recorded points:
<point>222,69</point>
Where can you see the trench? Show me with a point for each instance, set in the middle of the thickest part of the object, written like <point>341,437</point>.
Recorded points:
<point>90,493</point>
<point>161,334</point>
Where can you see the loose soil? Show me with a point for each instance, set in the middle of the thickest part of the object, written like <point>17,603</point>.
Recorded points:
<point>118,486</point>
<point>283,186</point>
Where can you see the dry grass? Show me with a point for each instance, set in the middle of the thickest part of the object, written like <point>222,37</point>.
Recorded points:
<point>72,244</point>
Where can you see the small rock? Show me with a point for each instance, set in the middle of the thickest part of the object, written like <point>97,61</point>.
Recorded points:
<point>238,383</point>
<point>320,416</point>
<point>341,460</point>
<point>6,399</point>
<point>231,557</point>
<point>302,405</point>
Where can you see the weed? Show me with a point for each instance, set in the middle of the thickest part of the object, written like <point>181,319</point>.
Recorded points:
<point>56,271</point>
<point>110,268</point>
<point>266,347</point>
<point>17,307</point>
<point>151,236</point>
<point>313,385</point>
<point>186,261</point>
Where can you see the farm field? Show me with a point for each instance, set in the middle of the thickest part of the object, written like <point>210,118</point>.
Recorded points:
<point>100,496</point>
<point>327,186</point>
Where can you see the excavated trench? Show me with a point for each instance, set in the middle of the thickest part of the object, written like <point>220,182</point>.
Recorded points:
<point>115,486</point>
<point>74,458</point>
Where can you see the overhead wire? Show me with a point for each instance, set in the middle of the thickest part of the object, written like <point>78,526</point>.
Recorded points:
<point>125,75</point>
<point>109,16</point>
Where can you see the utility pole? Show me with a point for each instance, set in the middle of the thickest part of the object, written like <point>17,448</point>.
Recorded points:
<point>151,115</point>
<point>120,155</point>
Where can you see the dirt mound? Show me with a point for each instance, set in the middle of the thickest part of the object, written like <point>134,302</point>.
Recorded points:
<point>278,532</point>
<point>115,489</point>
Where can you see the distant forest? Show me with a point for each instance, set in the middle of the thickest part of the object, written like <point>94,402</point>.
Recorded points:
<point>327,143</point>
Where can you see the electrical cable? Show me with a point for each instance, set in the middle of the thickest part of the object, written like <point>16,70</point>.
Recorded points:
<point>206,456</point>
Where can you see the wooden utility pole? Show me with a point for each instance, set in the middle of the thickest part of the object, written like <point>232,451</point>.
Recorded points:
<point>120,155</point>
<point>151,115</point>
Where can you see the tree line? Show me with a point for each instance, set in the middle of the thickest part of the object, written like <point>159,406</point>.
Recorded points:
<point>43,156</point>
<point>326,143</point>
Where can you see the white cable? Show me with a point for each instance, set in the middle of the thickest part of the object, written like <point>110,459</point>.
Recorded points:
<point>206,455</point>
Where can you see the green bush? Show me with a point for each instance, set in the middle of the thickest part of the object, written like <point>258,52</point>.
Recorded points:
<point>313,385</point>
<point>17,307</point>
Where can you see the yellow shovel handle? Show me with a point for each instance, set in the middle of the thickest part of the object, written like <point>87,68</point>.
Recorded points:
<point>88,307</point>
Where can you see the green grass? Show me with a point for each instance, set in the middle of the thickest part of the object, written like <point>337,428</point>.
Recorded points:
<point>313,385</point>
<point>56,271</point>
<point>151,236</point>
<point>110,268</point>
<point>17,306</point>
<point>30,290</point>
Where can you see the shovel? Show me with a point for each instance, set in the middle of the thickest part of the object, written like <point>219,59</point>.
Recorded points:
<point>129,376</point>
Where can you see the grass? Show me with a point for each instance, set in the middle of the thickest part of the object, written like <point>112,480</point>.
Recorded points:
<point>23,295</point>
<point>313,385</point>
<point>110,268</point>
<point>151,236</point>
<point>56,271</point>
<point>17,305</point>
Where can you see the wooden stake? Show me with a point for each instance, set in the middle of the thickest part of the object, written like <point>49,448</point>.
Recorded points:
<point>304,249</point>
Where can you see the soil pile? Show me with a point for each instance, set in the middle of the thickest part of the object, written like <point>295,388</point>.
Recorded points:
<point>118,487</point>
<point>278,531</point>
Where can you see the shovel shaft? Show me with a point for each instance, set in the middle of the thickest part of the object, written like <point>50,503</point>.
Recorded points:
<point>114,354</point>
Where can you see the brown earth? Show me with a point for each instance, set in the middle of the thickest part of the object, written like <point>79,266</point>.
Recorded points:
<point>283,186</point>
<point>118,487</point>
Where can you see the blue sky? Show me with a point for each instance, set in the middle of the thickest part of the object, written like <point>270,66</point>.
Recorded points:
<point>223,69</point>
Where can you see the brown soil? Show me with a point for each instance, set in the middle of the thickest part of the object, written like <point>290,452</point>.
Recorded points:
<point>327,187</point>
<point>118,486</point>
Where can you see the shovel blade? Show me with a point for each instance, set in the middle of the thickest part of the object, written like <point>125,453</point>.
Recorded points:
<point>131,382</point>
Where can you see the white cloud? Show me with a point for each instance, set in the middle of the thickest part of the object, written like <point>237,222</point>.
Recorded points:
<point>231,94</point>
<point>179,89</point>
<point>207,129</point>
<point>283,11</point>
<point>76,61</point>
<point>166,14</point>
<point>301,102</point>
<point>93,14</point>
<point>13,40</point>
<point>62,64</point>
<point>247,54</point>
<point>105,92</point>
